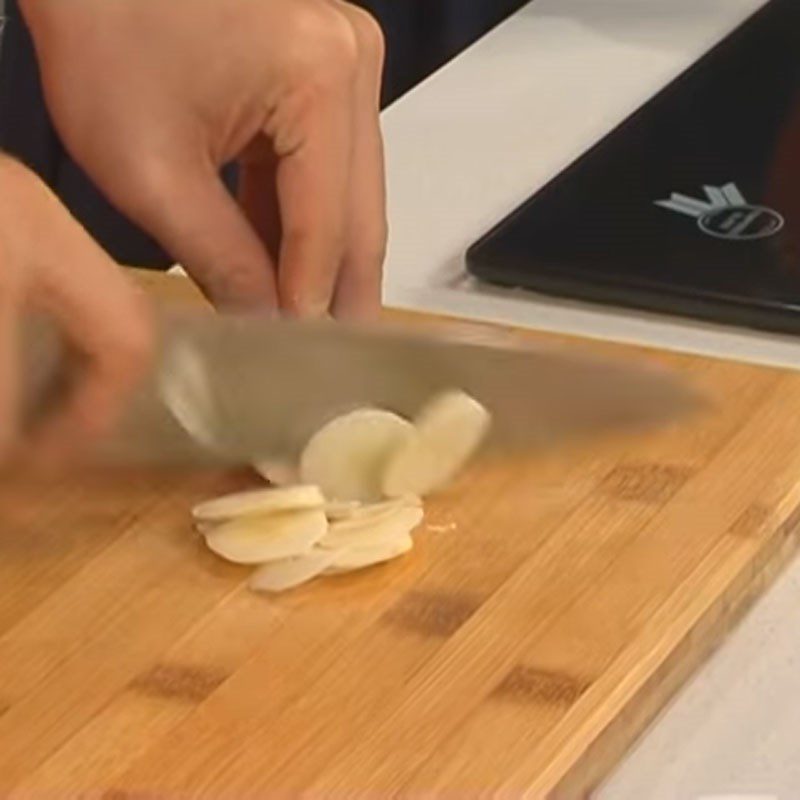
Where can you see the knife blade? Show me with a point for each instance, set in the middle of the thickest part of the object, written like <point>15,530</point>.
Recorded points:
<point>233,390</point>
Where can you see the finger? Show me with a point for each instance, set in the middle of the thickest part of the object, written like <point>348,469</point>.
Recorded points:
<point>358,292</point>
<point>108,363</point>
<point>10,299</point>
<point>106,322</point>
<point>312,133</point>
<point>188,209</point>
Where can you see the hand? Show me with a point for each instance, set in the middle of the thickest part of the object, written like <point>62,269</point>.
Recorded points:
<point>152,98</point>
<point>49,264</point>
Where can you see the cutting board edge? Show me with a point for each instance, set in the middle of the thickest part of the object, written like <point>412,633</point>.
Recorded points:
<point>698,644</point>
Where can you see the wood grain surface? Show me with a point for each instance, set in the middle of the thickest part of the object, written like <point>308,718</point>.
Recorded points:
<point>551,608</point>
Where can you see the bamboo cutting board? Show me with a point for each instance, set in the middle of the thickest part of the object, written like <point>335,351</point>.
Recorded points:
<point>551,608</point>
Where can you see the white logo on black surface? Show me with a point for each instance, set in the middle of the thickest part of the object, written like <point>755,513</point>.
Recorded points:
<point>725,214</point>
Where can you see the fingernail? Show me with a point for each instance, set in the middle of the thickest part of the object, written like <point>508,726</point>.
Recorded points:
<point>308,307</point>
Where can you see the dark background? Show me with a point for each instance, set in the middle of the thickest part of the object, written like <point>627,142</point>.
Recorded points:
<point>421,35</point>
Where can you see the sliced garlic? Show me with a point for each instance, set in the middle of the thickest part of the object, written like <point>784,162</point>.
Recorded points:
<point>257,539</point>
<point>278,576</point>
<point>377,529</point>
<point>343,509</point>
<point>357,558</point>
<point>278,473</point>
<point>347,458</point>
<point>260,502</point>
<point>338,512</point>
<point>448,432</point>
<point>204,528</point>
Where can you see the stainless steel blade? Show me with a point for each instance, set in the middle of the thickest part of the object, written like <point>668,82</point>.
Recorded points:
<point>269,385</point>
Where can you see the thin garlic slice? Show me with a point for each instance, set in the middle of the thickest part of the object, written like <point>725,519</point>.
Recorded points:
<point>380,528</point>
<point>449,431</point>
<point>344,509</point>
<point>260,502</point>
<point>358,558</point>
<point>347,458</point>
<point>288,573</point>
<point>278,473</point>
<point>341,511</point>
<point>257,540</point>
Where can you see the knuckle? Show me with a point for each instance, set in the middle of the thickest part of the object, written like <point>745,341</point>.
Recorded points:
<point>369,261</point>
<point>373,251</point>
<point>18,175</point>
<point>338,44</point>
<point>10,171</point>
<point>328,48</point>
<point>141,191</point>
<point>19,187</point>
<point>240,286</point>
<point>371,39</point>
<point>374,234</point>
<point>132,344</point>
<point>9,277</point>
<point>377,255</point>
<point>146,180</point>
<point>26,209</point>
<point>303,243</point>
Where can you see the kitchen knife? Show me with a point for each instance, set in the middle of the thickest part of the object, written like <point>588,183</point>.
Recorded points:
<point>233,390</point>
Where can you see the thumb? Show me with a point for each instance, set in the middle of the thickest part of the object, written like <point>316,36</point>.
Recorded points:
<point>190,212</point>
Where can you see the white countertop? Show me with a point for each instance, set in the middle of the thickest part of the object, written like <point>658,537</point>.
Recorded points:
<point>468,146</point>
<point>480,136</point>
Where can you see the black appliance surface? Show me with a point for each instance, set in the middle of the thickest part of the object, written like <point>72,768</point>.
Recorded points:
<point>691,206</point>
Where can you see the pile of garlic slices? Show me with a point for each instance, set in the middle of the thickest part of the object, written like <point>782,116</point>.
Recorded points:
<point>353,501</point>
